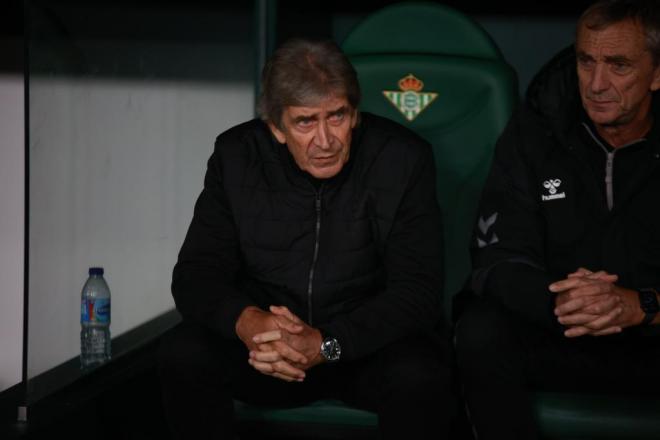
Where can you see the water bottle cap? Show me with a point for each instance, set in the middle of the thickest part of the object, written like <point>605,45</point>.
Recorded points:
<point>96,271</point>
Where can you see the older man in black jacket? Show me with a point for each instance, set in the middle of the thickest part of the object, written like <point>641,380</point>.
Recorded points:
<point>313,257</point>
<point>567,246</point>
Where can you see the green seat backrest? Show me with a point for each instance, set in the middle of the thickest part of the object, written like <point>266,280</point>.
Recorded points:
<point>438,72</point>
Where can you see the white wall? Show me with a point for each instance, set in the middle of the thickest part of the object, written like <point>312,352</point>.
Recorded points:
<point>115,169</point>
<point>12,226</point>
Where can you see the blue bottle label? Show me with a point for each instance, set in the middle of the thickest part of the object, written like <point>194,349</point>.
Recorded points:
<point>95,310</point>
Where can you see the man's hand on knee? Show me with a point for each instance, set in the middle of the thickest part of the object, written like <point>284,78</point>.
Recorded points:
<point>306,342</point>
<point>280,343</point>
<point>589,303</point>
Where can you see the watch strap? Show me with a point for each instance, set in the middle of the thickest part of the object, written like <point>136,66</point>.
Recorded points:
<point>648,301</point>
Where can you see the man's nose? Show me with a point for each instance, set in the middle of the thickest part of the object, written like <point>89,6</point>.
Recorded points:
<point>600,79</point>
<point>322,137</point>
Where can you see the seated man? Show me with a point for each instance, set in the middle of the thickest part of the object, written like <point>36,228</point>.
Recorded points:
<point>312,267</point>
<point>567,246</point>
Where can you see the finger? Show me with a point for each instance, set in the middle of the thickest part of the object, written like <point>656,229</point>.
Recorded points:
<point>602,306</point>
<point>290,354</point>
<point>569,306</point>
<point>287,369</point>
<point>577,319</point>
<point>567,303</point>
<point>581,272</point>
<point>284,311</point>
<point>590,289</point>
<point>273,335</point>
<point>288,325</point>
<point>265,356</point>
<point>607,331</point>
<point>287,378</point>
<point>282,350</point>
<point>267,369</point>
<point>605,321</point>
<point>560,286</point>
<point>574,332</point>
<point>262,367</point>
<point>603,276</point>
<point>566,284</point>
<point>601,279</point>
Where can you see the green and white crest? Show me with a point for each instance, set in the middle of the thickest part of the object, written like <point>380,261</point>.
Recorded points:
<point>410,100</point>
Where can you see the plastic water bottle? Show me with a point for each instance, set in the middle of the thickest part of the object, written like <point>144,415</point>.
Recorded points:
<point>95,320</point>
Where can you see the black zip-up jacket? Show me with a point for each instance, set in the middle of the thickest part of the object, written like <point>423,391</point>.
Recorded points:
<point>558,198</point>
<point>357,255</point>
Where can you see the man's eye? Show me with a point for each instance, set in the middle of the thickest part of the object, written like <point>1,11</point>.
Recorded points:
<point>304,123</point>
<point>337,117</point>
<point>620,67</point>
<point>585,63</point>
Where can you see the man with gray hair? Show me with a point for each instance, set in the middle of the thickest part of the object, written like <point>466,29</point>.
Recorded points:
<point>566,252</point>
<point>312,266</point>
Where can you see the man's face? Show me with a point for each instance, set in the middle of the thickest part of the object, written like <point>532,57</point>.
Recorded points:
<point>616,73</point>
<point>318,136</point>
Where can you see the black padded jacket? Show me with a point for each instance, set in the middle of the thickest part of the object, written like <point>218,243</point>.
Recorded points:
<point>558,198</point>
<point>358,255</point>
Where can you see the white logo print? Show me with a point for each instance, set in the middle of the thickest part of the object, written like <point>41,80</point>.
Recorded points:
<point>484,226</point>
<point>551,185</point>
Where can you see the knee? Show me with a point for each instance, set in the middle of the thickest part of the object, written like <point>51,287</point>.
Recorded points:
<point>482,333</point>
<point>417,380</point>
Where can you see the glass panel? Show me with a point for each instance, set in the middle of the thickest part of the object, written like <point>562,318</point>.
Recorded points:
<point>125,102</point>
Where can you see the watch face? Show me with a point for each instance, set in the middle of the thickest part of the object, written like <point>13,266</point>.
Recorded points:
<point>330,349</point>
<point>648,300</point>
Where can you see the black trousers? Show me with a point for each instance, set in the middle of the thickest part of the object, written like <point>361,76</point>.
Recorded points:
<point>502,359</point>
<point>407,384</point>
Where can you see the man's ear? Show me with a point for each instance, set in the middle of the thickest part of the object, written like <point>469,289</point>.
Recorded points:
<point>655,84</point>
<point>355,118</point>
<point>279,134</point>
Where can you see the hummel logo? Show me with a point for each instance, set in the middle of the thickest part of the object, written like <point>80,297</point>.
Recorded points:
<point>484,225</point>
<point>551,185</point>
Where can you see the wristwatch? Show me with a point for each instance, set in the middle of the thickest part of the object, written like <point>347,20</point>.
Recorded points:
<point>330,349</point>
<point>648,301</point>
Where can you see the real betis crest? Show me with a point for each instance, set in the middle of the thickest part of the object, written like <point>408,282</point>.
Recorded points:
<point>410,100</point>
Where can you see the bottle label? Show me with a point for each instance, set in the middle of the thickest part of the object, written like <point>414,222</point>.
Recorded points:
<point>95,310</point>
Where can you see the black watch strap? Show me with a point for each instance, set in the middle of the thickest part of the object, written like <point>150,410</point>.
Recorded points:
<point>648,301</point>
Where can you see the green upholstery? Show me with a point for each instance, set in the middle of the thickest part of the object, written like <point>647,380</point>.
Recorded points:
<point>591,417</point>
<point>321,412</point>
<point>476,91</point>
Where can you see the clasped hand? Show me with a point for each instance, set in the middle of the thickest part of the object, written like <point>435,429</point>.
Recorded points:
<point>589,303</point>
<point>281,344</point>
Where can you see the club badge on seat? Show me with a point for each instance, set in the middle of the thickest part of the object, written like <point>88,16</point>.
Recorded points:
<point>410,100</point>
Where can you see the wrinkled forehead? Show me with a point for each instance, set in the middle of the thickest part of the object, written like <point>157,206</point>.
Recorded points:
<point>624,38</point>
<point>315,96</point>
<point>324,105</point>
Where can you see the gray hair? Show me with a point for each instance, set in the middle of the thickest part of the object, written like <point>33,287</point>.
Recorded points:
<point>645,12</point>
<point>302,72</point>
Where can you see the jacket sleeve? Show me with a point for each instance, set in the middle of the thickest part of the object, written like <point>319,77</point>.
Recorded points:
<point>508,242</point>
<point>204,278</point>
<point>411,301</point>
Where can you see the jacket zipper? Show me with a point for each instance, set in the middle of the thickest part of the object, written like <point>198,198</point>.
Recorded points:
<point>609,165</point>
<point>315,257</point>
